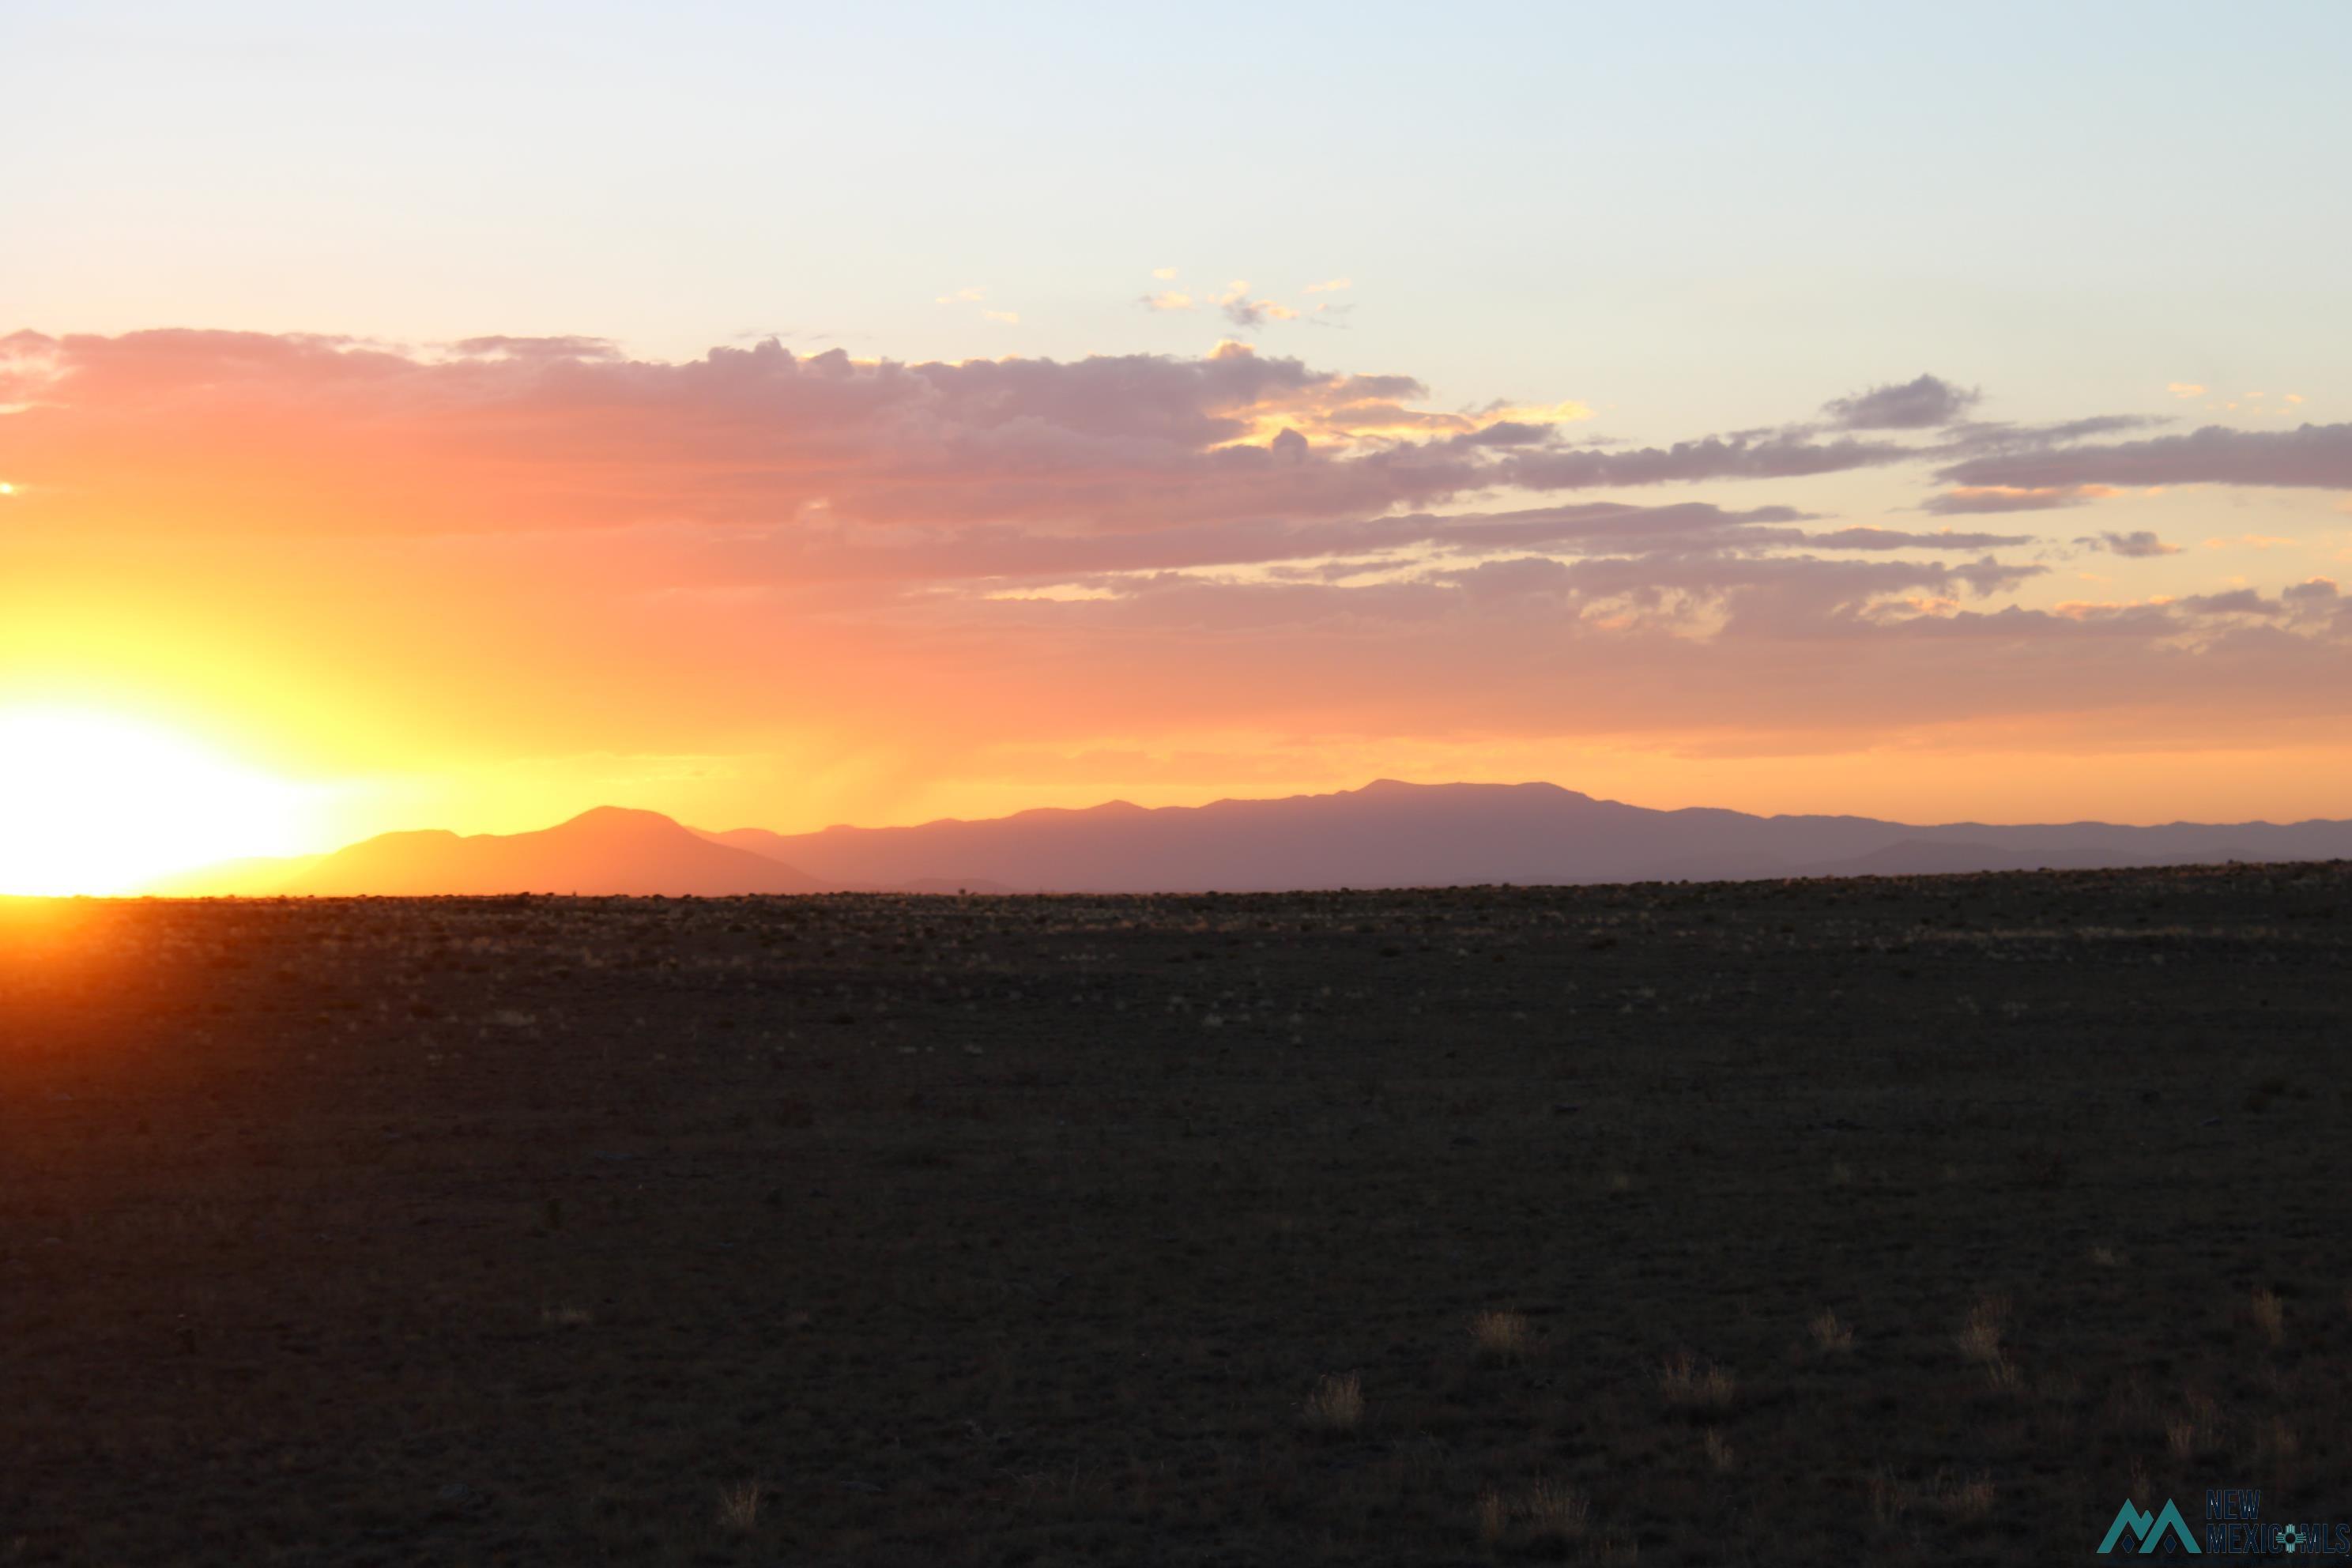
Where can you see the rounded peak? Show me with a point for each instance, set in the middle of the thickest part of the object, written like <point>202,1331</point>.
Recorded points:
<point>620,818</point>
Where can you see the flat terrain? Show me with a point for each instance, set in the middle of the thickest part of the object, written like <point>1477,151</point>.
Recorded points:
<point>1905,1220</point>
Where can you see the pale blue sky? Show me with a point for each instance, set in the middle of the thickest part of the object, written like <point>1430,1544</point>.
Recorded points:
<point>1692,216</point>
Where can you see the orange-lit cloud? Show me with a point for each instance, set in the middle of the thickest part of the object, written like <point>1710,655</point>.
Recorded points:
<point>764,587</point>
<point>2013,498</point>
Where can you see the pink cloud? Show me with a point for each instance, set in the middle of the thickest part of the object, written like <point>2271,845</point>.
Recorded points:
<point>757,514</point>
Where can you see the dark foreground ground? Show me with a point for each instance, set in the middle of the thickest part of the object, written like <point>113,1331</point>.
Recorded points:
<point>1895,1221</point>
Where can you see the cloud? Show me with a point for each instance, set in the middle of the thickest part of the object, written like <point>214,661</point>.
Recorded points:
<point>1163,273</point>
<point>283,432</point>
<point>1768,457</point>
<point>1168,300</point>
<point>2138,544</point>
<point>2237,602</point>
<point>2012,498</point>
<point>1243,311</point>
<point>962,297</point>
<point>1035,554</point>
<point>557,347</point>
<point>1975,437</point>
<point>2185,388</point>
<point>2313,456</point>
<point>1919,405</point>
<point>1042,553</point>
<point>1896,539</point>
<point>1330,286</point>
<point>1008,317</point>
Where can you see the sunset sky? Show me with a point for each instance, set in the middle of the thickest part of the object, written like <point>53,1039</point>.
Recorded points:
<point>465,415</point>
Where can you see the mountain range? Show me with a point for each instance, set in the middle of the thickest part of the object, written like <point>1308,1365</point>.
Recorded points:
<point>1387,833</point>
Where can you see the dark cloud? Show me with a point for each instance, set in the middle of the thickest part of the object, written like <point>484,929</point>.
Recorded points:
<point>1509,433</point>
<point>2001,437</point>
<point>1896,539</point>
<point>2138,543</point>
<point>2314,456</point>
<point>1921,404</point>
<point>1773,456</point>
<point>2237,602</point>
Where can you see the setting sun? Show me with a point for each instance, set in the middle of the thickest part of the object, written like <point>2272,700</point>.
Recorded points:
<point>99,803</point>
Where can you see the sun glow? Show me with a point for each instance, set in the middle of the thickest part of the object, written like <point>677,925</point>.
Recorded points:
<point>98,803</point>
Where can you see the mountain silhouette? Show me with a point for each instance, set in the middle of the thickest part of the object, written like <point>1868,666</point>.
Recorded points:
<point>609,850</point>
<point>1389,834</point>
<point>1385,834</point>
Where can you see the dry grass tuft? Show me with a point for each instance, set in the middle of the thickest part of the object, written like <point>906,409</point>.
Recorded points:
<point>1954,1499</point>
<point>2192,1432</point>
<point>1499,1336</point>
<point>1336,1405</point>
<point>1720,1455</point>
<point>1689,1384</point>
<point>738,1506</point>
<point>1831,1335</point>
<point>1547,1515</point>
<point>1555,1511</point>
<point>2270,1316</point>
<point>1970,1499</point>
<point>565,1317</point>
<point>1979,1338</point>
<point>1494,1517</point>
<point>2107,1258</point>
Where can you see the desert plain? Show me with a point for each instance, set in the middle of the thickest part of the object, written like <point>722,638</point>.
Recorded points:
<point>1909,1220</point>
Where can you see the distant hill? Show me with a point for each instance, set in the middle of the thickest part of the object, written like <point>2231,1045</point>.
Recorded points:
<point>1385,834</point>
<point>1389,834</point>
<point>609,850</point>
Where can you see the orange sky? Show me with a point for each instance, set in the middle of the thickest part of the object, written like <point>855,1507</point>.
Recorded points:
<point>485,585</point>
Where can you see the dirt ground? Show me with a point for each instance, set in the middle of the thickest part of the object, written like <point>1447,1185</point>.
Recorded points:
<point>1905,1220</point>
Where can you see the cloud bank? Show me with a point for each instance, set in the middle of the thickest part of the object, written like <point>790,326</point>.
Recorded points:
<point>1036,553</point>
